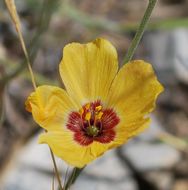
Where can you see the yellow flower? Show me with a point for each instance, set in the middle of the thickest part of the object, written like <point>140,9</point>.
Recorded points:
<point>101,107</point>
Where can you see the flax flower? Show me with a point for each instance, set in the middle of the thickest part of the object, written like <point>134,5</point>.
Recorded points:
<point>101,108</point>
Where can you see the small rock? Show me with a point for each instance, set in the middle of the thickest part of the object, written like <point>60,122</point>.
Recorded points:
<point>153,131</point>
<point>146,156</point>
<point>181,185</point>
<point>107,166</point>
<point>167,51</point>
<point>88,183</point>
<point>38,156</point>
<point>157,46</point>
<point>27,179</point>
<point>163,180</point>
<point>180,56</point>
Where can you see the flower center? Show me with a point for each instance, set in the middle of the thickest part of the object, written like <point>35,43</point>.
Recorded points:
<point>93,123</point>
<point>92,131</point>
<point>91,115</point>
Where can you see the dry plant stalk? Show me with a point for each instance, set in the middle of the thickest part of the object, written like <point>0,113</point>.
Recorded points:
<point>15,18</point>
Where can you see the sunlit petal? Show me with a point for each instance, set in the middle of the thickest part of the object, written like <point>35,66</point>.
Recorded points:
<point>49,106</point>
<point>87,70</point>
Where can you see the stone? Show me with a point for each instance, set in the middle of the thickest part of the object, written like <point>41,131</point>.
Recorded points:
<point>163,180</point>
<point>103,184</point>
<point>27,179</point>
<point>167,51</point>
<point>153,131</point>
<point>180,56</point>
<point>156,156</point>
<point>38,156</point>
<point>156,44</point>
<point>107,166</point>
<point>181,185</point>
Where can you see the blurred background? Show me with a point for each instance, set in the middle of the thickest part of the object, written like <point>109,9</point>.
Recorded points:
<point>155,160</point>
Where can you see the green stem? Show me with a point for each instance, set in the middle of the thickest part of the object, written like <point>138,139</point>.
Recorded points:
<point>140,31</point>
<point>56,170</point>
<point>74,175</point>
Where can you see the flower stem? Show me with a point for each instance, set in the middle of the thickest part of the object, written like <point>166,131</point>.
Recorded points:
<point>140,31</point>
<point>56,170</point>
<point>74,175</point>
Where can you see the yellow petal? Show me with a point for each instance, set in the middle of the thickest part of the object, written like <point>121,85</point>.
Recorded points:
<point>126,131</point>
<point>63,146</point>
<point>49,106</point>
<point>134,90</point>
<point>97,149</point>
<point>133,95</point>
<point>87,70</point>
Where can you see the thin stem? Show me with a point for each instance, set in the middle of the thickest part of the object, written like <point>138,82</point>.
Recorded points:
<point>140,31</point>
<point>66,175</point>
<point>74,175</point>
<point>56,170</point>
<point>16,21</point>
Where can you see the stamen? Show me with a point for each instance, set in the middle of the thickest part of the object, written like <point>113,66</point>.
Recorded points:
<point>87,106</point>
<point>88,116</point>
<point>99,115</point>
<point>98,108</point>
<point>81,111</point>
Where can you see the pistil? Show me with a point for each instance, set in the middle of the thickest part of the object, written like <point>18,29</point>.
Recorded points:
<point>92,131</point>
